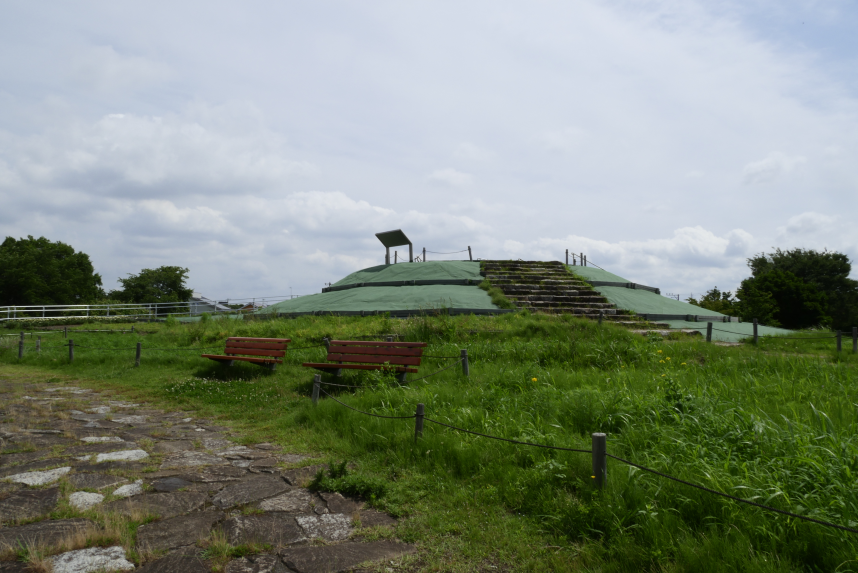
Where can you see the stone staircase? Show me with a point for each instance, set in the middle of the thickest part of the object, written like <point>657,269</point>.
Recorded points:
<point>548,287</point>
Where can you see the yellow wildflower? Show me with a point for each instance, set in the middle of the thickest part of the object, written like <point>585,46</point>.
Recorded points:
<point>662,375</point>
<point>683,364</point>
<point>668,357</point>
<point>661,361</point>
<point>533,379</point>
<point>659,351</point>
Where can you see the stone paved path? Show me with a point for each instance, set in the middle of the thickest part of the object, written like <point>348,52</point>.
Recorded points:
<point>92,483</point>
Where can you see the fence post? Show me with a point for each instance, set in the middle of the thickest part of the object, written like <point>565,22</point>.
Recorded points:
<point>839,342</point>
<point>38,344</point>
<point>756,338</point>
<point>65,332</point>
<point>71,351</point>
<point>327,343</point>
<point>601,315</point>
<point>132,329</point>
<point>855,340</point>
<point>466,369</point>
<point>137,356</point>
<point>581,259</point>
<point>418,422</point>
<point>600,459</point>
<point>22,337</point>
<point>585,260</point>
<point>708,332</point>
<point>567,257</point>
<point>20,349</point>
<point>470,256</point>
<point>424,254</point>
<point>317,380</point>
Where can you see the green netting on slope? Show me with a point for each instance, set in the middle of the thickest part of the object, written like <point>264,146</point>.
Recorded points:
<point>389,298</point>
<point>645,302</point>
<point>728,331</point>
<point>432,270</point>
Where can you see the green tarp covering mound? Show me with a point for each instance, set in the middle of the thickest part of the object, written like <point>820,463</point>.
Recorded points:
<point>432,270</point>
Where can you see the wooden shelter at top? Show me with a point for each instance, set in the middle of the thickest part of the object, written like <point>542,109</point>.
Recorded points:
<point>395,239</point>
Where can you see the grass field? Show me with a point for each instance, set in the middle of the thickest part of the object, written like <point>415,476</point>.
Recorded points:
<point>775,423</point>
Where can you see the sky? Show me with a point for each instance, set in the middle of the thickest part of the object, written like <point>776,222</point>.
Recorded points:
<point>263,144</point>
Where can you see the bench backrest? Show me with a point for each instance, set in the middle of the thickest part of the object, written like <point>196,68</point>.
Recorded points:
<point>372,352</point>
<point>275,347</point>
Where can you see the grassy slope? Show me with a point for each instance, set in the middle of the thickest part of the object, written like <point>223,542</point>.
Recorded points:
<point>777,426</point>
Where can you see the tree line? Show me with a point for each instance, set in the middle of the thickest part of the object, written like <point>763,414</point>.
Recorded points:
<point>44,272</point>
<point>798,288</point>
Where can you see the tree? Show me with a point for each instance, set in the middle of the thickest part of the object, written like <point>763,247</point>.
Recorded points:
<point>810,287</point>
<point>164,284</point>
<point>39,271</point>
<point>717,301</point>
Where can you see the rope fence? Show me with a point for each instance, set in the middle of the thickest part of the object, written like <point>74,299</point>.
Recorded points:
<point>600,457</point>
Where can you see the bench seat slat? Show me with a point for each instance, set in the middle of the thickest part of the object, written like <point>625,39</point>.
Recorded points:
<point>260,345</point>
<point>243,358</point>
<point>249,339</point>
<point>366,359</point>
<point>253,351</point>
<point>329,366</point>
<point>378,343</point>
<point>342,349</point>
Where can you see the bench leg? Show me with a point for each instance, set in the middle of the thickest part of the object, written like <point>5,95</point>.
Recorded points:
<point>338,372</point>
<point>401,376</point>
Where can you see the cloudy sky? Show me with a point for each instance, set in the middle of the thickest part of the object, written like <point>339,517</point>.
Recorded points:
<point>262,144</point>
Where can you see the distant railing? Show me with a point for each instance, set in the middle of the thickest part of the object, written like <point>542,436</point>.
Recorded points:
<point>139,310</point>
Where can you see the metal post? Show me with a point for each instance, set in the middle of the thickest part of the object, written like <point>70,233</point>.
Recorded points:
<point>71,351</point>
<point>410,253</point>
<point>756,338</point>
<point>132,329</point>
<point>600,460</point>
<point>317,381</point>
<point>567,257</point>
<point>424,254</point>
<point>839,342</point>
<point>395,257</point>
<point>708,332</point>
<point>20,349</point>
<point>386,255</point>
<point>108,310</point>
<point>418,422</point>
<point>389,339</point>
<point>470,256</point>
<point>581,259</point>
<point>22,337</point>
<point>585,260</point>
<point>65,332</point>
<point>137,356</point>
<point>466,369</point>
<point>855,340</point>
<point>38,344</point>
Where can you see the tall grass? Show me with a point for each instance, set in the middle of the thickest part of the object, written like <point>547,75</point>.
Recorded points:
<point>777,427</point>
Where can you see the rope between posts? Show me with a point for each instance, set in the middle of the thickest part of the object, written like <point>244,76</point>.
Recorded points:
<point>368,413</point>
<point>341,385</point>
<point>453,253</point>
<point>508,440</point>
<point>733,497</point>
<point>437,371</point>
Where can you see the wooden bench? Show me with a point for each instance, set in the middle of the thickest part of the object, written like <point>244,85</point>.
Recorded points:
<point>261,351</point>
<point>401,357</point>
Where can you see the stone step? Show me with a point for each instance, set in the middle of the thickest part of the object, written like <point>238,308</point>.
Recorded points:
<point>562,300</point>
<point>606,308</point>
<point>548,292</point>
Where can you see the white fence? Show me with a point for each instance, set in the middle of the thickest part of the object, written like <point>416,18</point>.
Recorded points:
<point>193,307</point>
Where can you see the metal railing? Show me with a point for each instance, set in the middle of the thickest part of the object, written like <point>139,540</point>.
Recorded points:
<point>194,307</point>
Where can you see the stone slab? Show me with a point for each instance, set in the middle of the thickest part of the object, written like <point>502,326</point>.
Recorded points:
<point>330,526</point>
<point>130,489</point>
<point>83,500</point>
<point>100,439</point>
<point>122,456</point>
<point>338,504</point>
<point>170,484</point>
<point>39,478</point>
<point>275,529</point>
<point>28,504</point>
<point>178,562</point>
<point>179,531</point>
<point>98,448</point>
<point>90,560</point>
<point>94,481</point>
<point>294,501</point>
<point>256,564</point>
<point>162,504</point>
<point>250,490</point>
<point>342,557</point>
<point>42,533</point>
<point>172,446</point>
<point>300,476</point>
<point>190,459</point>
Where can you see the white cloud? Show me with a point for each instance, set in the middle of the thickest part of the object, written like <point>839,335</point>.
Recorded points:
<point>772,167</point>
<point>103,68</point>
<point>808,223</point>
<point>451,178</point>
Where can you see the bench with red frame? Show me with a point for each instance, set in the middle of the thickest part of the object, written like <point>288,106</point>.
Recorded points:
<point>262,351</point>
<point>400,357</point>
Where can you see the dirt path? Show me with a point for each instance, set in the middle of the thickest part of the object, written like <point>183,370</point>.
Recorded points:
<point>91,483</point>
